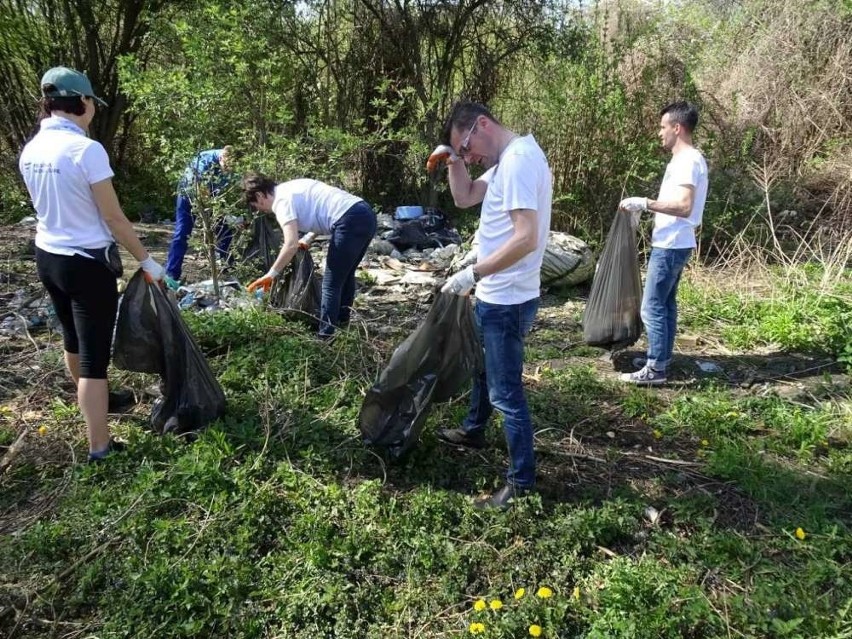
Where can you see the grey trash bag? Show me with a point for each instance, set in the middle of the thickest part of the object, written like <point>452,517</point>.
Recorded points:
<point>151,337</point>
<point>612,318</point>
<point>431,365</point>
<point>299,292</point>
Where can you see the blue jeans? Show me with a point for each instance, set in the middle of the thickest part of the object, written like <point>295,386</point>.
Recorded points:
<point>659,303</point>
<point>350,237</point>
<point>502,329</point>
<point>184,222</point>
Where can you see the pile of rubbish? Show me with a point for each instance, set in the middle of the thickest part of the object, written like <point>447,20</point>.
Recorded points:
<point>22,313</point>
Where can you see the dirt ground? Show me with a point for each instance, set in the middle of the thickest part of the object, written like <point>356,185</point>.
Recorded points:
<point>32,376</point>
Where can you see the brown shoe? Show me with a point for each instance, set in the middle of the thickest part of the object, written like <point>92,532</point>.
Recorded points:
<point>461,437</point>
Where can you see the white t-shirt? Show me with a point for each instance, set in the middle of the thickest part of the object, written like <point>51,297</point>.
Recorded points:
<point>687,168</point>
<point>520,180</point>
<point>315,205</point>
<point>59,165</point>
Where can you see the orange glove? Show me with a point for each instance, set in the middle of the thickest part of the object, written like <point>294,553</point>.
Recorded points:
<point>264,283</point>
<point>441,154</point>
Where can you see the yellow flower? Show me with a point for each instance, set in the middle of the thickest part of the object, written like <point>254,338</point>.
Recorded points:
<point>657,434</point>
<point>800,533</point>
<point>42,430</point>
<point>477,628</point>
<point>544,593</point>
<point>495,604</point>
<point>520,592</point>
<point>704,442</point>
<point>576,593</point>
<point>535,630</point>
<point>479,604</point>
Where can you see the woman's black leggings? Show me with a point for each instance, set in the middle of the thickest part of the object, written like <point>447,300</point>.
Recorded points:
<point>85,297</point>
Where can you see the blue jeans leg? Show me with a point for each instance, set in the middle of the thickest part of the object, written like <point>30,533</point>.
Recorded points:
<point>659,303</point>
<point>502,329</point>
<point>183,229</point>
<point>350,238</point>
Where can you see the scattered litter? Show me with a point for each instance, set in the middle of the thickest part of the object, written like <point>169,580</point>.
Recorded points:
<point>709,367</point>
<point>652,514</point>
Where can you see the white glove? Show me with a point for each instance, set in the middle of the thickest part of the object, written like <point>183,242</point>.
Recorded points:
<point>461,283</point>
<point>153,271</point>
<point>442,153</point>
<point>634,204</point>
<point>234,220</point>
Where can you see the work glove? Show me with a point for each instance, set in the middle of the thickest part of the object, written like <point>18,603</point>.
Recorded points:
<point>461,283</point>
<point>171,284</point>
<point>441,154</point>
<point>306,240</point>
<point>634,204</point>
<point>234,220</point>
<point>263,283</point>
<point>153,271</point>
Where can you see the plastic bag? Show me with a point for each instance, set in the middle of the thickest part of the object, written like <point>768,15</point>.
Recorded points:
<point>266,238</point>
<point>428,231</point>
<point>431,365</point>
<point>299,292</point>
<point>151,337</point>
<point>612,318</point>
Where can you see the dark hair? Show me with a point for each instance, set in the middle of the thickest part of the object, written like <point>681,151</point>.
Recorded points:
<point>462,116</point>
<point>68,104</point>
<point>256,183</point>
<point>682,113</point>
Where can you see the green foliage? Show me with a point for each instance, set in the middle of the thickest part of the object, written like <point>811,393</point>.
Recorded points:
<point>803,318</point>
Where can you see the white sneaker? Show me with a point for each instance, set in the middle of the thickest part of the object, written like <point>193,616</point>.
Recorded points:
<point>645,376</point>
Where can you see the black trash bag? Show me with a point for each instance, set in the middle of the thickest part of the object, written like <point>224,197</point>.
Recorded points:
<point>428,231</point>
<point>265,242</point>
<point>612,318</point>
<point>151,337</point>
<point>299,292</point>
<point>431,365</point>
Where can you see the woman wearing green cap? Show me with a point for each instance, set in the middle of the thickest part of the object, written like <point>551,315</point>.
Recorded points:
<point>80,219</point>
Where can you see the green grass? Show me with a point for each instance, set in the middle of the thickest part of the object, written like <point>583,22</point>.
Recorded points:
<point>277,522</point>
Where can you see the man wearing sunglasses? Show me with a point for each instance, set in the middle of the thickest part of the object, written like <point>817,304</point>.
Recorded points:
<point>515,192</point>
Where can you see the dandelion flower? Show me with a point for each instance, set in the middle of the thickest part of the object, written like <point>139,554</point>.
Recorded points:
<point>477,628</point>
<point>495,604</point>
<point>657,434</point>
<point>479,604</point>
<point>535,630</point>
<point>705,442</point>
<point>576,593</point>
<point>544,593</point>
<point>800,534</point>
<point>42,430</point>
<point>520,592</point>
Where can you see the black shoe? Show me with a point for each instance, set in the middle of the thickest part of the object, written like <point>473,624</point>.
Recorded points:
<point>503,499</point>
<point>461,437</point>
<point>114,446</point>
<point>120,399</point>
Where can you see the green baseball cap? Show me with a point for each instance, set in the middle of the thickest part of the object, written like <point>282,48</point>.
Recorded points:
<point>66,83</point>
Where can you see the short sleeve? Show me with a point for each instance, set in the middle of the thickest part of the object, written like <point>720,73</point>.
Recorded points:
<point>284,208</point>
<point>686,171</point>
<point>94,163</point>
<point>520,183</point>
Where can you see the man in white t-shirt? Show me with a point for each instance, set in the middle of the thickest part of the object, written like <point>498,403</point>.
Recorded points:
<point>678,210</point>
<point>515,192</point>
<point>312,206</point>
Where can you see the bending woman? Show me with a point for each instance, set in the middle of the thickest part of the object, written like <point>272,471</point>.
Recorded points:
<point>69,180</point>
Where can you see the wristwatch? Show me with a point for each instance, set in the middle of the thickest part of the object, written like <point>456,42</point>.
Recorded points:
<point>476,276</point>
